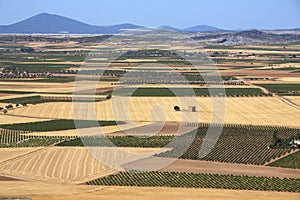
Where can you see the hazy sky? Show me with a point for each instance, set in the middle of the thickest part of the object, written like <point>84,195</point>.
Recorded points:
<point>227,14</point>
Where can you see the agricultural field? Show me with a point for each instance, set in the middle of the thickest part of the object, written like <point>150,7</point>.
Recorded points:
<point>291,161</point>
<point>47,82</point>
<point>239,110</point>
<point>175,179</point>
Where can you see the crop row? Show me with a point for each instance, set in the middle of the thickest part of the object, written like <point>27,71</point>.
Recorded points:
<point>191,180</point>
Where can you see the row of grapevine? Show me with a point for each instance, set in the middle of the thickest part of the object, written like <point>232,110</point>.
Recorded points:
<point>237,144</point>
<point>182,179</point>
<point>15,138</point>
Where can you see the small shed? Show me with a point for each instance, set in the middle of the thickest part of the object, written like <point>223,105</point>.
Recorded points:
<point>192,109</point>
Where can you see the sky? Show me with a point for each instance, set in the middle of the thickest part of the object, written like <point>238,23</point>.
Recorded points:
<point>226,14</point>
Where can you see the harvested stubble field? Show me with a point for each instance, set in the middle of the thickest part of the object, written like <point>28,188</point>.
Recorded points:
<point>246,110</point>
<point>294,99</point>
<point>9,119</point>
<point>61,165</point>
<point>46,191</point>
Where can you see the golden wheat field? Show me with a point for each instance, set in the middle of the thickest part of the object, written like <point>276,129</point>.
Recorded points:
<point>245,110</point>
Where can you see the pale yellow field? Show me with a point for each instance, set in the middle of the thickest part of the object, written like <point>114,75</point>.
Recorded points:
<point>72,165</point>
<point>9,153</point>
<point>245,110</point>
<point>8,119</point>
<point>11,96</point>
<point>43,191</point>
<point>49,87</point>
<point>55,164</point>
<point>294,99</point>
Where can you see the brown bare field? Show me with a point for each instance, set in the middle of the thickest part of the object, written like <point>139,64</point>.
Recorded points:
<point>46,191</point>
<point>167,128</point>
<point>245,110</point>
<point>199,166</point>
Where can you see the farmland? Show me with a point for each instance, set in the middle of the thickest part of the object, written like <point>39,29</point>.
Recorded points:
<point>56,125</point>
<point>239,110</point>
<point>134,101</point>
<point>175,179</point>
<point>291,161</point>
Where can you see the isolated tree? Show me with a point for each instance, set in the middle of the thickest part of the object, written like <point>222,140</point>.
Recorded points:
<point>108,96</point>
<point>176,108</point>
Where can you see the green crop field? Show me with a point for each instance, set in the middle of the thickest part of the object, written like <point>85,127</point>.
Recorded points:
<point>283,89</point>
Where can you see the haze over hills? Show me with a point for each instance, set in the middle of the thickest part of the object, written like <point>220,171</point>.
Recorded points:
<point>45,23</point>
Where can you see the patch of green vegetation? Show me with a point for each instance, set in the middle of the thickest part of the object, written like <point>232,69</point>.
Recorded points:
<point>290,161</point>
<point>119,141</point>
<point>283,89</point>
<point>57,125</point>
<point>193,180</point>
<point>170,92</point>
<point>28,100</point>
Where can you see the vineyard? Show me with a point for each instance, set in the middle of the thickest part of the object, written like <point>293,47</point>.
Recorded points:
<point>237,144</point>
<point>56,125</point>
<point>171,92</point>
<point>245,144</point>
<point>120,141</point>
<point>14,138</point>
<point>291,161</point>
<point>176,179</point>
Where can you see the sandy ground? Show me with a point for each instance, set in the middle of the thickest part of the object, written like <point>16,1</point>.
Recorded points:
<point>198,166</point>
<point>243,110</point>
<point>42,191</point>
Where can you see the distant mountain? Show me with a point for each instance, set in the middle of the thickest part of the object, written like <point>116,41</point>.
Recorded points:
<point>45,23</point>
<point>202,28</point>
<point>264,36</point>
<point>50,23</point>
<point>171,28</point>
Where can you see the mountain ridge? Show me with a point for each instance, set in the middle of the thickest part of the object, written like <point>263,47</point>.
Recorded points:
<point>45,23</point>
